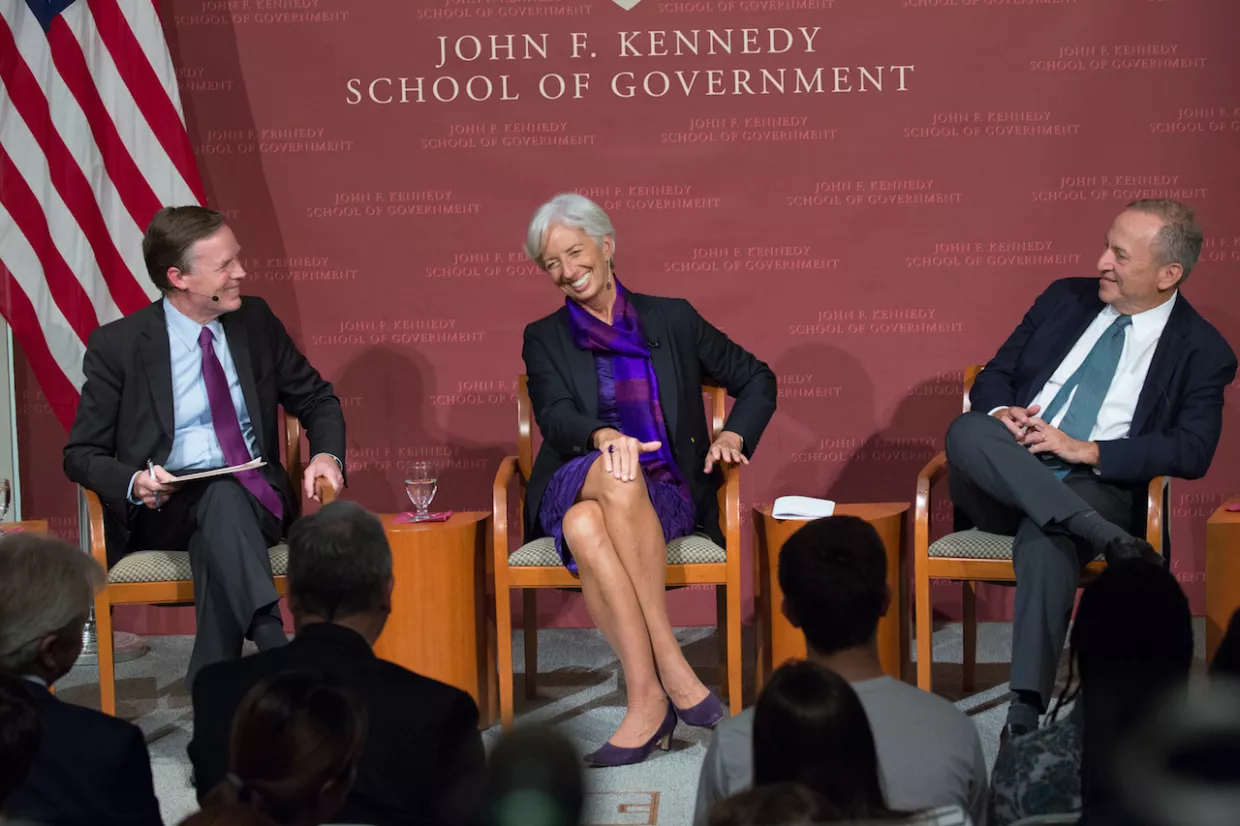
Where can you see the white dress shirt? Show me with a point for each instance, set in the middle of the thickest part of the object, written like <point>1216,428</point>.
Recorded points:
<point>1140,342</point>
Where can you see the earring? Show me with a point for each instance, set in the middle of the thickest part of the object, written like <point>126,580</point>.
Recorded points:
<point>608,272</point>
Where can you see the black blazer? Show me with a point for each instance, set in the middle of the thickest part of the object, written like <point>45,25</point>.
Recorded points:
<point>423,758</point>
<point>684,349</point>
<point>1178,418</point>
<point>125,416</point>
<point>91,769</point>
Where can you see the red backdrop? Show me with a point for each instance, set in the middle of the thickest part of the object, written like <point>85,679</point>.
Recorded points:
<point>865,193</point>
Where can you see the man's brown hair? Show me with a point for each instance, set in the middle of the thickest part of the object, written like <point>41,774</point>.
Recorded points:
<point>169,236</point>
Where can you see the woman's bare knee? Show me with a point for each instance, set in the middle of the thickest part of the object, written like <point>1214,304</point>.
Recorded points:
<point>584,530</point>
<point>611,492</point>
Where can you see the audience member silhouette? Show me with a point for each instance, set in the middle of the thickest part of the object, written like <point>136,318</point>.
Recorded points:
<point>534,778</point>
<point>775,804</point>
<point>833,573</point>
<point>21,729</point>
<point>810,728</point>
<point>293,749</point>
<point>90,768</point>
<point>1131,642</point>
<point>423,760</point>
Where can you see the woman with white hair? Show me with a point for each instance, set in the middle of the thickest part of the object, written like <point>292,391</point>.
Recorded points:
<point>626,460</point>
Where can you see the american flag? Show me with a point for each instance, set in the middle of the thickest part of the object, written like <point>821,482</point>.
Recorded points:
<point>92,144</point>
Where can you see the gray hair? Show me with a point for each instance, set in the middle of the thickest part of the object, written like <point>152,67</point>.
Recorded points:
<point>569,210</point>
<point>1179,240</point>
<point>338,561</point>
<point>46,589</point>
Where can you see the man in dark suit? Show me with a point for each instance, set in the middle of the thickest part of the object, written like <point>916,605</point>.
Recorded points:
<point>1106,384</point>
<point>90,769</point>
<point>423,759</point>
<point>192,382</point>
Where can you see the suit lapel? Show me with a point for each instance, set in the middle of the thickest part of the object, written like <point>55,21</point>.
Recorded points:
<point>1064,336</point>
<point>1167,357</point>
<point>581,368</point>
<point>662,358</point>
<point>157,361</point>
<point>239,347</point>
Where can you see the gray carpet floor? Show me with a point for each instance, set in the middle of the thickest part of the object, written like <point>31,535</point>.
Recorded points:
<point>578,693</point>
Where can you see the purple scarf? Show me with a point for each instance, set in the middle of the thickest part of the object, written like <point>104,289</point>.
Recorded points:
<point>637,388</point>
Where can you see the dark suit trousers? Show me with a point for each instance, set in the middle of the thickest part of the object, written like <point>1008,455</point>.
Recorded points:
<point>227,533</point>
<point>1005,489</point>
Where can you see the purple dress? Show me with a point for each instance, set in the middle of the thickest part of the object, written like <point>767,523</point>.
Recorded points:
<point>670,499</point>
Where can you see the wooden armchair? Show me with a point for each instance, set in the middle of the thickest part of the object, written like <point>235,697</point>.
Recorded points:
<point>155,577</point>
<point>975,556</point>
<point>691,560</point>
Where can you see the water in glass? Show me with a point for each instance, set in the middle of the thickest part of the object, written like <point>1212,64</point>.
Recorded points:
<point>420,487</point>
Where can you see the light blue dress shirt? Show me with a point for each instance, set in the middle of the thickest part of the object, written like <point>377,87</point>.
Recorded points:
<point>194,444</point>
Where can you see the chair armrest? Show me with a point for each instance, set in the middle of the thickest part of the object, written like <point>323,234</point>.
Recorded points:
<point>509,469</point>
<point>729,496</point>
<point>934,470</point>
<point>1156,495</point>
<point>324,489</point>
<point>98,541</point>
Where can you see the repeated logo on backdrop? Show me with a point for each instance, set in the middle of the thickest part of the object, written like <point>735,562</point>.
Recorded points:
<point>867,194</point>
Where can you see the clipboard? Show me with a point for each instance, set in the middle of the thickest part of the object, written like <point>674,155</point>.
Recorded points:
<point>253,464</point>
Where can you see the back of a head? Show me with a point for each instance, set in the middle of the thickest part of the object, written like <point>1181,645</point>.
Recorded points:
<point>21,730</point>
<point>777,804</point>
<point>228,814</point>
<point>339,562</point>
<point>294,746</point>
<point>534,778</point>
<point>810,728</point>
<point>833,573</point>
<point>1133,621</point>
<point>1181,764</point>
<point>1133,642</point>
<point>46,589</point>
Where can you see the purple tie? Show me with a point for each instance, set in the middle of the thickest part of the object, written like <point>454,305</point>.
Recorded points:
<point>228,428</point>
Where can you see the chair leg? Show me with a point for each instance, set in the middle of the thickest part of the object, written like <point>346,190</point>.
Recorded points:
<point>107,665</point>
<point>968,592</point>
<point>735,698</point>
<point>529,603</point>
<point>721,638</point>
<point>503,654</point>
<point>923,630</point>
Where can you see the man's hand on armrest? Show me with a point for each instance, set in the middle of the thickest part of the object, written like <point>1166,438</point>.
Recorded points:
<point>324,464</point>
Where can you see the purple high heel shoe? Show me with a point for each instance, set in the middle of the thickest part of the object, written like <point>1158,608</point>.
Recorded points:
<point>609,755</point>
<point>705,714</point>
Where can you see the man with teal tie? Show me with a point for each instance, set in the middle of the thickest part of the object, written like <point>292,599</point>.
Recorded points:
<point>1106,384</point>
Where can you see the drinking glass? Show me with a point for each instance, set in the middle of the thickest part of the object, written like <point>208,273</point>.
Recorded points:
<point>6,494</point>
<point>421,485</point>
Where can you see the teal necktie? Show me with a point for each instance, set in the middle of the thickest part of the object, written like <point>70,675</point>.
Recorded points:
<point>1091,381</point>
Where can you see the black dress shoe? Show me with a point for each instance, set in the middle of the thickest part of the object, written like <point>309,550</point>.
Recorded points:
<point>1124,548</point>
<point>1011,731</point>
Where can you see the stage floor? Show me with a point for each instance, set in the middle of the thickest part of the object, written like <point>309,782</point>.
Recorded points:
<point>578,688</point>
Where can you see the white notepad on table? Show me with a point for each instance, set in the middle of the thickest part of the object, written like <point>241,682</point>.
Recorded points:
<point>253,464</point>
<point>802,507</point>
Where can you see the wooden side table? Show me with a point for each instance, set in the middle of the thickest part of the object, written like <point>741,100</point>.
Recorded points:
<point>1222,573</point>
<point>777,640</point>
<point>438,626</point>
<point>38,526</point>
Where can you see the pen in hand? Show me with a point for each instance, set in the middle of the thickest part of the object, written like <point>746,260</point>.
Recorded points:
<point>150,466</point>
